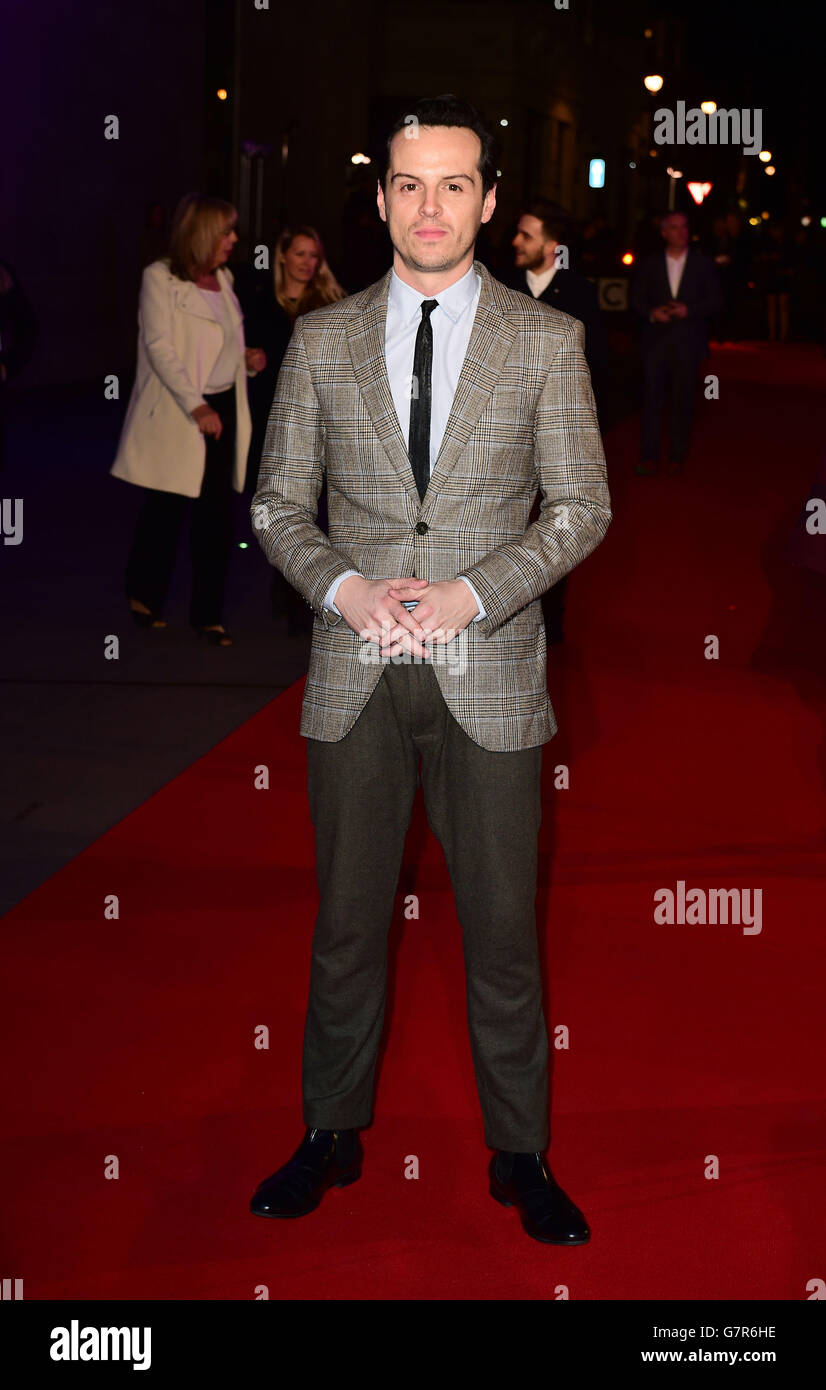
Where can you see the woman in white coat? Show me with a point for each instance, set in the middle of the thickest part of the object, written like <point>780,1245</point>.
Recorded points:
<point>187,429</point>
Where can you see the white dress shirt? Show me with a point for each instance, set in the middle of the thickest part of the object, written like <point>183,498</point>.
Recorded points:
<point>538,283</point>
<point>452,322</point>
<point>675,265</point>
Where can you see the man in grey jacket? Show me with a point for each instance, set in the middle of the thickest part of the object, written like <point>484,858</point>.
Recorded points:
<point>439,402</point>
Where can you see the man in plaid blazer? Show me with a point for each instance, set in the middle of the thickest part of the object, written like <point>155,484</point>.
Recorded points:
<point>428,641</point>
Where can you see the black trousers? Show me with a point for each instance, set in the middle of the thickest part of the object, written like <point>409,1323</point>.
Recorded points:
<point>152,557</point>
<point>668,366</point>
<point>485,809</point>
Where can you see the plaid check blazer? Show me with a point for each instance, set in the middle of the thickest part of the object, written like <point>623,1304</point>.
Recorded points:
<point>522,423</point>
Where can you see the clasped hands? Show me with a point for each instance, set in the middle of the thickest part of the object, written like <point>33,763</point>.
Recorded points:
<point>374,609</point>
<point>674,309</point>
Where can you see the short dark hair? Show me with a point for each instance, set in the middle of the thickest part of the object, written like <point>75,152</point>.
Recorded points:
<point>446,110</point>
<point>556,222</point>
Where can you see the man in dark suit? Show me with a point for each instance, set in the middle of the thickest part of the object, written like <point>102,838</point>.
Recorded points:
<point>674,292</point>
<point>541,249</point>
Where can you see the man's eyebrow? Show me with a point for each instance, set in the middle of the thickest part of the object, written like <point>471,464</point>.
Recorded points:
<point>416,178</point>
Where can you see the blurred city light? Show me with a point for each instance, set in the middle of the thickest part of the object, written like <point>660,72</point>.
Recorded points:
<point>699,191</point>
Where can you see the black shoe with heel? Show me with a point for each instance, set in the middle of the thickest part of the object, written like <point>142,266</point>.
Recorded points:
<point>324,1158</point>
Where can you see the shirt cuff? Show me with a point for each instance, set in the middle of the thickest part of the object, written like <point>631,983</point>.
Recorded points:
<point>333,590</point>
<point>481,614</point>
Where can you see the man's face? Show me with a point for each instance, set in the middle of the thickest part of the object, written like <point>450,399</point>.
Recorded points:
<point>531,248</point>
<point>674,229</point>
<point>433,205</point>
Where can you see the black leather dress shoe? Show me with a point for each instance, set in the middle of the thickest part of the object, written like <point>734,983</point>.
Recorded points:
<point>324,1158</point>
<point>547,1213</point>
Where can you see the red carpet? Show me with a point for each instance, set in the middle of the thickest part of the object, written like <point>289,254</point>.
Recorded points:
<point>135,1037</point>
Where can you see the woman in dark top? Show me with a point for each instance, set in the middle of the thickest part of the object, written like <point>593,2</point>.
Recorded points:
<point>300,280</point>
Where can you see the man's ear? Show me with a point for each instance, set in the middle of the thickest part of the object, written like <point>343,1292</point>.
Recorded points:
<point>490,195</point>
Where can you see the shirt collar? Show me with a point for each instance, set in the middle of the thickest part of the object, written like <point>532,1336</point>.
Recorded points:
<point>543,277</point>
<point>407,302</point>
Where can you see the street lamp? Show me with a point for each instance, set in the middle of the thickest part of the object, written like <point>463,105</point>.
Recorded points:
<point>673,175</point>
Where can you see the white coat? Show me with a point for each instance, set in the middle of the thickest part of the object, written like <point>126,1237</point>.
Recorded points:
<point>161,446</point>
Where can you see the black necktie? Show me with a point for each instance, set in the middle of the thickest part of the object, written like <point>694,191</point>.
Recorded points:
<point>418,444</point>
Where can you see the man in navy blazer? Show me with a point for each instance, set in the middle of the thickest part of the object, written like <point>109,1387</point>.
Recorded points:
<point>674,292</point>
<point>541,230</point>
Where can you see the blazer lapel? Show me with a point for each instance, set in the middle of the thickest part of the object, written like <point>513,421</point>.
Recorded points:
<point>687,277</point>
<point>365,339</point>
<point>490,340</point>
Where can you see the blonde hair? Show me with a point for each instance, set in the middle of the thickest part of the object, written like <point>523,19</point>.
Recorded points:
<point>197,225</point>
<point>322,289</point>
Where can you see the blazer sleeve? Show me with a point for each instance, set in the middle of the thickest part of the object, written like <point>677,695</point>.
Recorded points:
<point>575,506</point>
<point>285,504</point>
<point>155,317</point>
<point>709,295</point>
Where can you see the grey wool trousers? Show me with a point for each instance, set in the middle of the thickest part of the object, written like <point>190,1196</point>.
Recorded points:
<point>484,808</point>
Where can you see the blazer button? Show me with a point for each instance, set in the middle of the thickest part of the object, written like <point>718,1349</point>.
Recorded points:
<point>421,527</point>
